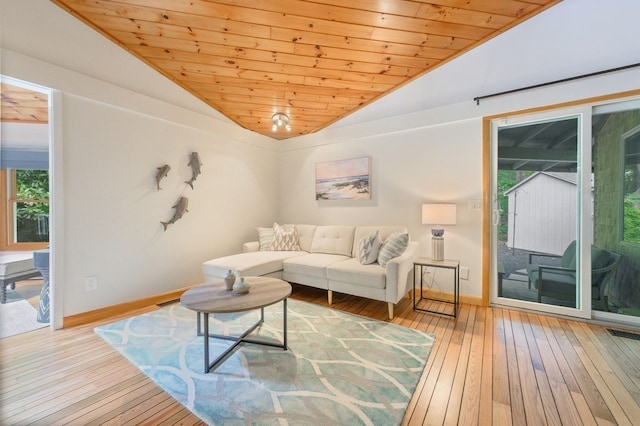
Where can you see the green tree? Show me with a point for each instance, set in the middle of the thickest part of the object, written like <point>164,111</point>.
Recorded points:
<point>32,212</point>
<point>631,222</point>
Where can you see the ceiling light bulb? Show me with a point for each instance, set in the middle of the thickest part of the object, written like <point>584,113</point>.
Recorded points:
<point>274,127</point>
<point>288,128</point>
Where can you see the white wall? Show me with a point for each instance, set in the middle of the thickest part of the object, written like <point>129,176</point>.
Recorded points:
<point>409,167</point>
<point>113,210</point>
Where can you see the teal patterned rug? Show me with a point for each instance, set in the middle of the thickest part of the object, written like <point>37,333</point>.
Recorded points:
<point>340,369</point>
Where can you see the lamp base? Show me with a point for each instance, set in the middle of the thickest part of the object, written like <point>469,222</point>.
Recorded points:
<point>437,248</point>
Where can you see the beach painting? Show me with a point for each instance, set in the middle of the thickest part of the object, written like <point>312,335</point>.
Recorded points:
<point>344,179</point>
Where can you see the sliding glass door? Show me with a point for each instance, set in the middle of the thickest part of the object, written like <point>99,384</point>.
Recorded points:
<point>538,229</point>
<point>616,169</point>
<point>565,232</point>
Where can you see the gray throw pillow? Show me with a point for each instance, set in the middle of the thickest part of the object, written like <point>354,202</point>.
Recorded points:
<point>392,247</point>
<point>265,236</point>
<point>369,247</point>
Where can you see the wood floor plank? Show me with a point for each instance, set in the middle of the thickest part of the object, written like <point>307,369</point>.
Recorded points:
<point>628,374</point>
<point>583,382</point>
<point>500,379</point>
<point>443,327</point>
<point>443,387</point>
<point>485,412</point>
<point>612,391</point>
<point>452,415</point>
<point>489,366</point>
<point>526,357</point>
<point>561,401</point>
<point>470,407</point>
<point>518,413</point>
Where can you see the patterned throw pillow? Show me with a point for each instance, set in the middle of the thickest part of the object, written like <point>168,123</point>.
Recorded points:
<point>265,236</point>
<point>392,247</point>
<point>284,238</point>
<point>368,248</point>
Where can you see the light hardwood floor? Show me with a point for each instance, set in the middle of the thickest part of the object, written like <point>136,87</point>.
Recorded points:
<point>490,366</point>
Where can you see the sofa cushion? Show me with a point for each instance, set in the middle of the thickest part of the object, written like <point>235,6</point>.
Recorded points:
<point>305,236</point>
<point>285,238</point>
<point>333,240</point>
<point>369,247</point>
<point>265,236</point>
<point>392,247</point>
<point>248,264</point>
<point>353,272</point>
<point>312,264</point>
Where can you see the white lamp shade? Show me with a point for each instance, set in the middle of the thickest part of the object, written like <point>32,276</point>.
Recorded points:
<point>439,214</point>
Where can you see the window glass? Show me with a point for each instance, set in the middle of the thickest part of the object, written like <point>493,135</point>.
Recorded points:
<point>30,206</point>
<point>631,188</point>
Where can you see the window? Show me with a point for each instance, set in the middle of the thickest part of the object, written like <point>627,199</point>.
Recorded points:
<point>25,224</point>
<point>631,187</point>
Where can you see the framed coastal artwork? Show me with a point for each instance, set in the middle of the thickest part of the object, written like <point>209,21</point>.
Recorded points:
<point>344,179</point>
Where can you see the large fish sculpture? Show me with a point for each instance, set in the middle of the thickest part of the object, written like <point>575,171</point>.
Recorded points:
<point>161,173</point>
<point>195,164</point>
<point>181,209</point>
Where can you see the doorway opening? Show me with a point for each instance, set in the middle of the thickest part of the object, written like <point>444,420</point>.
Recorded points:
<point>24,205</point>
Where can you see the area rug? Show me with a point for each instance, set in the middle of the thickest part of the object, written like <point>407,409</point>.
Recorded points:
<point>17,317</point>
<point>340,369</point>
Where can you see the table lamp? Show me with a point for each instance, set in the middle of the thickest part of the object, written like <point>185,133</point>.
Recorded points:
<point>438,215</point>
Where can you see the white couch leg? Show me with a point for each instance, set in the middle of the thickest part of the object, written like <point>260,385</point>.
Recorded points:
<point>390,306</point>
<point>330,296</point>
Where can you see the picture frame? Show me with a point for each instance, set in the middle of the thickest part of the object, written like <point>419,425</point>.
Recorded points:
<point>348,179</point>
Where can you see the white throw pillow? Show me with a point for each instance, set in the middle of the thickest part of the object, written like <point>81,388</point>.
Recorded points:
<point>368,248</point>
<point>284,238</point>
<point>392,247</point>
<point>265,236</point>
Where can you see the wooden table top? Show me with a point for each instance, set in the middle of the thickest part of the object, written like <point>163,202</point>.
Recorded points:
<point>214,298</point>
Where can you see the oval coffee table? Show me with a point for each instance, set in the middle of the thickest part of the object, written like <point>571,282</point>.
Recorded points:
<point>214,298</point>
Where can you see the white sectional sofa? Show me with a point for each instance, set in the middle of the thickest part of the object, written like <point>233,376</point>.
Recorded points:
<point>327,257</point>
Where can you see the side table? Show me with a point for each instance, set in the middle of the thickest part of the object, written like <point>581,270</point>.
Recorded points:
<point>418,271</point>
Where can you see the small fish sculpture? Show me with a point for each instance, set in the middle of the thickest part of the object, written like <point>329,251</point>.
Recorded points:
<point>161,173</point>
<point>195,164</point>
<point>181,209</point>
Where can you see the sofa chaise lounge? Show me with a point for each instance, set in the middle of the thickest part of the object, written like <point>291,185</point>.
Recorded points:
<point>330,258</point>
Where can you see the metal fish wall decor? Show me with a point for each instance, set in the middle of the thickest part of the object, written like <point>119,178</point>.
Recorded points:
<point>161,173</point>
<point>181,208</point>
<point>195,164</point>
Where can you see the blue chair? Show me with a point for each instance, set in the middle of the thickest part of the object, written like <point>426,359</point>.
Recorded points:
<point>559,282</point>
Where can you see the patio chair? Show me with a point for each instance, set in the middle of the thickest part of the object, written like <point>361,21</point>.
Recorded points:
<point>559,282</point>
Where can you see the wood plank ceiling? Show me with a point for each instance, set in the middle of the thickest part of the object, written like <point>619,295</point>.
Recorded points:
<point>315,61</point>
<point>21,105</point>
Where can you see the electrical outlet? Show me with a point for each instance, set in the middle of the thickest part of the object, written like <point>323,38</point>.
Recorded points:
<point>464,273</point>
<point>91,283</point>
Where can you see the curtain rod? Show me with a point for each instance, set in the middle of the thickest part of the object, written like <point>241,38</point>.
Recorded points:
<point>478,98</point>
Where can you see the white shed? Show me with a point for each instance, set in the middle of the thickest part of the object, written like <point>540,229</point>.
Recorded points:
<point>542,212</point>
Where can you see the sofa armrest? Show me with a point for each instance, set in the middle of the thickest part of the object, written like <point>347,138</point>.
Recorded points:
<point>250,246</point>
<point>399,273</point>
